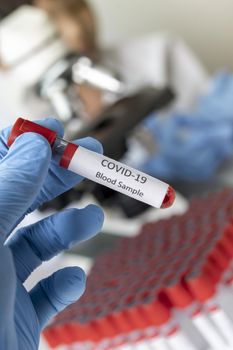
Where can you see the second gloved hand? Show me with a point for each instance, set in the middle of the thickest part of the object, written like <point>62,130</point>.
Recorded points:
<point>189,147</point>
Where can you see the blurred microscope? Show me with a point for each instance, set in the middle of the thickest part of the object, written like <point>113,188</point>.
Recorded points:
<point>49,75</point>
<point>57,86</point>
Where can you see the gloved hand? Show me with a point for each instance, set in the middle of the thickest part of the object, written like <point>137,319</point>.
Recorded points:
<point>189,147</point>
<point>217,103</point>
<point>28,178</point>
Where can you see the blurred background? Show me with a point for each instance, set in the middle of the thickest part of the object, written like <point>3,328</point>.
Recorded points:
<point>151,80</point>
<point>205,27</point>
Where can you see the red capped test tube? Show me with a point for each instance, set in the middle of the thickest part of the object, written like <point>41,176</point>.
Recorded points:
<point>98,168</point>
<point>203,288</point>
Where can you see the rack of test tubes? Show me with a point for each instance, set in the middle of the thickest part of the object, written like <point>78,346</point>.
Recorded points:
<point>168,288</point>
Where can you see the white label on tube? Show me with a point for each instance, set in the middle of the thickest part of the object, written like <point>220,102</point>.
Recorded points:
<point>118,177</point>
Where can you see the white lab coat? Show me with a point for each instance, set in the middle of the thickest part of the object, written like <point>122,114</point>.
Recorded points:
<point>15,102</point>
<point>158,60</point>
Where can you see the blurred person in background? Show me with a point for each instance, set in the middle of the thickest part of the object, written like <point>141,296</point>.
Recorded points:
<point>77,26</point>
<point>74,19</point>
<point>158,60</point>
<point>155,60</point>
<point>75,22</point>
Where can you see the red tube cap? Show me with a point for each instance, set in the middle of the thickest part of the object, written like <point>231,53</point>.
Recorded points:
<point>22,126</point>
<point>169,198</point>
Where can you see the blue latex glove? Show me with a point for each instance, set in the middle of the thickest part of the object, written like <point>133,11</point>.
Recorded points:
<point>189,147</point>
<point>28,178</point>
<point>217,103</point>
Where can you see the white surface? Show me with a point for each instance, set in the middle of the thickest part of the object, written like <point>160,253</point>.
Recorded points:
<point>16,40</point>
<point>14,102</point>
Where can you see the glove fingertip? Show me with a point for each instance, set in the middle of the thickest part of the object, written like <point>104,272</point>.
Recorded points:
<point>55,293</point>
<point>98,212</point>
<point>34,142</point>
<point>53,124</point>
<point>68,286</point>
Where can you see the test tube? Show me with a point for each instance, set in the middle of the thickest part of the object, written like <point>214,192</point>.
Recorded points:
<point>219,317</point>
<point>203,288</point>
<point>101,169</point>
<point>185,303</point>
<point>160,315</point>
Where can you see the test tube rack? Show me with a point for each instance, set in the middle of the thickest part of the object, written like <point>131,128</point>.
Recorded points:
<point>163,289</point>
